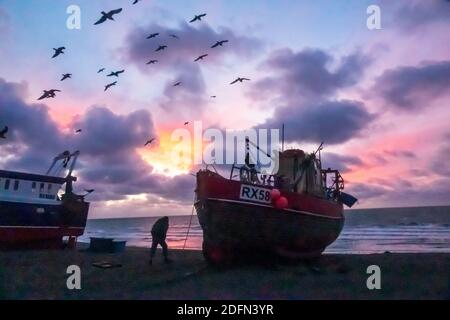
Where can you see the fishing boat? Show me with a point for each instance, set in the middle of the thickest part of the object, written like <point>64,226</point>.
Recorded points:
<point>294,214</point>
<point>39,210</point>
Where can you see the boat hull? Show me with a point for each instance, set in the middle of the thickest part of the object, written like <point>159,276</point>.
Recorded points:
<point>35,225</point>
<point>232,226</point>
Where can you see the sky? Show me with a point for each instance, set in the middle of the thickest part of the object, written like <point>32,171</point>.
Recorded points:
<point>379,99</point>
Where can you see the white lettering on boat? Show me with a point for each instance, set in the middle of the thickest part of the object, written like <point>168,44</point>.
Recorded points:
<point>253,193</point>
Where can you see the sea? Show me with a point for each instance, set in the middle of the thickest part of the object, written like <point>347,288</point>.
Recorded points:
<point>365,232</point>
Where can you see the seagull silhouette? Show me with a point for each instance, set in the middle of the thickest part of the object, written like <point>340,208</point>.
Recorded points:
<point>78,131</point>
<point>213,97</point>
<point>153,35</point>
<point>174,36</point>
<point>58,51</point>
<point>49,94</point>
<point>149,141</point>
<point>101,70</point>
<point>240,80</point>
<point>3,132</point>
<point>152,62</point>
<point>136,1</point>
<point>198,17</point>
<point>66,76</point>
<point>115,74</point>
<point>219,43</point>
<point>108,16</point>
<point>201,57</point>
<point>160,48</point>
<point>186,123</point>
<point>110,85</point>
<point>177,84</point>
<point>89,191</point>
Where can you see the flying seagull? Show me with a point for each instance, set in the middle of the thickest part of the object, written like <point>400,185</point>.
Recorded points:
<point>201,57</point>
<point>89,191</point>
<point>153,35</point>
<point>160,48</point>
<point>149,141</point>
<point>219,43</point>
<point>58,51</point>
<point>152,62</point>
<point>101,70</point>
<point>3,132</point>
<point>66,76</point>
<point>177,84</point>
<point>198,17</point>
<point>136,1</point>
<point>213,97</point>
<point>174,36</point>
<point>78,131</point>
<point>115,74</point>
<point>110,85</point>
<point>186,123</point>
<point>108,16</point>
<point>240,80</point>
<point>49,94</point>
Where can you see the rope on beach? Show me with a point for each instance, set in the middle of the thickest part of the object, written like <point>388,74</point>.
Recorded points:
<point>189,228</point>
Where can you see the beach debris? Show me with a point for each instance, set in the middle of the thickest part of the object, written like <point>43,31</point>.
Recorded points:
<point>101,70</point>
<point>219,43</point>
<point>110,85</point>
<point>49,94</point>
<point>66,76</point>
<point>240,80</point>
<point>58,51</point>
<point>108,16</point>
<point>198,17</point>
<point>201,57</point>
<point>116,73</point>
<point>3,132</point>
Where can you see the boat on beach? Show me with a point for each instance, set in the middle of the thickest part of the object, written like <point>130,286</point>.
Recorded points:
<point>295,213</point>
<point>39,210</point>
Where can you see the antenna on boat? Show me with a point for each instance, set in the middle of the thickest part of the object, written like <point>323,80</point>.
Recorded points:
<point>282,138</point>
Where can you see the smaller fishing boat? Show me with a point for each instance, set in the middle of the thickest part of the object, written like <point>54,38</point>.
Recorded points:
<point>39,210</point>
<point>295,213</point>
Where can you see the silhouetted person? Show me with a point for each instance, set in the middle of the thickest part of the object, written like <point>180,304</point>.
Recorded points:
<point>159,233</point>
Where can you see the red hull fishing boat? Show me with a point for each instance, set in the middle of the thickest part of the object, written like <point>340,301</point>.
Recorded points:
<point>292,214</point>
<point>35,212</point>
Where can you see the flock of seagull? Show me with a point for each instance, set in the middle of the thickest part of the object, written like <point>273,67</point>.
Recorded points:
<point>105,16</point>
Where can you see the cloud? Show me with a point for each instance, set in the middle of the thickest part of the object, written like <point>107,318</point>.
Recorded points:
<point>413,87</point>
<point>308,74</point>
<point>109,161</point>
<point>343,163</point>
<point>331,122</point>
<point>192,42</point>
<point>416,14</point>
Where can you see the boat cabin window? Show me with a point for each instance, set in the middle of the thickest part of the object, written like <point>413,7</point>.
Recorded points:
<point>49,187</point>
<point>7,182</point>
<point>16,185</point>
<point>33,187</point>
<point>42,186</point>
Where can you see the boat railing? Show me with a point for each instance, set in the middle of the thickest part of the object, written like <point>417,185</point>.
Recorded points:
<point>251,175</point>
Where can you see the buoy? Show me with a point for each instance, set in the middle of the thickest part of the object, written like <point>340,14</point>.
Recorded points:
<point>275,194</point>
<point>281,203</point>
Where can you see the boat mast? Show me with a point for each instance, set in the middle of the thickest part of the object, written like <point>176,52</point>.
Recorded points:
<point>282,138</point>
